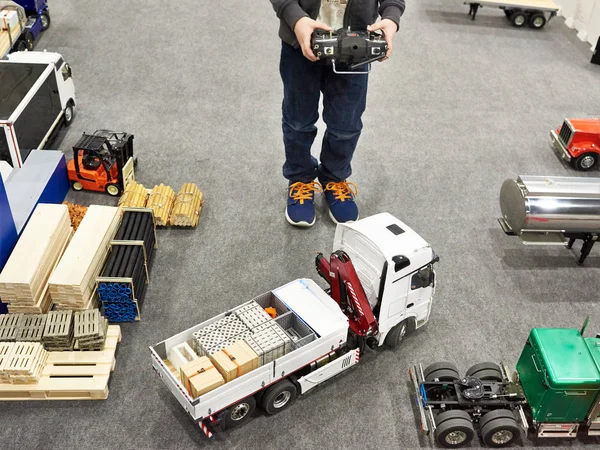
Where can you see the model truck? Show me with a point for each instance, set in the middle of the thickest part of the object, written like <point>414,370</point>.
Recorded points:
<point>37,96</point>
<point>535,13</point>
<point>577,141</point>
<point>381,283</point>
<point>21,23</point>
<point>554,393</point>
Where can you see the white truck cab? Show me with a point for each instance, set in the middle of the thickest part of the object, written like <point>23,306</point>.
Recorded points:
<point>395,267</point>
<point>37,95</point>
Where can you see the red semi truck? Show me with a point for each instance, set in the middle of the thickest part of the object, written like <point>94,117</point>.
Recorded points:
<point>577,141</point>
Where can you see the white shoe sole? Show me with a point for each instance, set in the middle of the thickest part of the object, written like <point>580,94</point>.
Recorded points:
<point>299,224</point>
<point>337,223</point>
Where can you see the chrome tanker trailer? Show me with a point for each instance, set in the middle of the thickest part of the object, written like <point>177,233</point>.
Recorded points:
<point>552,211</point>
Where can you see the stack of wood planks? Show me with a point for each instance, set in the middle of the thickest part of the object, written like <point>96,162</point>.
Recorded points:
<point>72,284</point>
<point>58,332</point>
<point>186,209</point>
<point>24,363</point>
<point>24,280</point>
<point>161,201</point>
<point>134,196</point>
<point>76,212</point>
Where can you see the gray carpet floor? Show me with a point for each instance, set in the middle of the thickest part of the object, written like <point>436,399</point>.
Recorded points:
<point>460,107</point>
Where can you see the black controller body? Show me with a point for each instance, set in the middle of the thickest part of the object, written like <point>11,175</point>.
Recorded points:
<point>349,48</point>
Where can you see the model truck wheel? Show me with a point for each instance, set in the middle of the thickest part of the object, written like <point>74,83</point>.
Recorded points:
<point>537,21</point>
<point>485,371</point>
<point>518,19</point>
<point>278,397</point>
<point>21,46</point>
<point>29,40</point>
<point>586,161</point>
<point>77,186</point>
<point>441,371</point>
<point>395,336</point>
<point>113,190</point>
<point>238,414</point>
<point>499,428</point>
<point>69,114</point>
<point>454,429</point>
<point>45,18</point>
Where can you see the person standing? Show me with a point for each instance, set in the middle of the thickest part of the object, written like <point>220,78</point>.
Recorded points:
<point>344,101</point>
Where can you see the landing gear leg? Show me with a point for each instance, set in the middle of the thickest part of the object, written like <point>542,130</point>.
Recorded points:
<point>586,248</point>
<point>474,7</point>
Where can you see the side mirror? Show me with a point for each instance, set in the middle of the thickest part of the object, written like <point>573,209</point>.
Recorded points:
<point>401,262</point>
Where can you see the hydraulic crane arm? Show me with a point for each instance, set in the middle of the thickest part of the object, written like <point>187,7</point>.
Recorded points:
<point>348,292</point>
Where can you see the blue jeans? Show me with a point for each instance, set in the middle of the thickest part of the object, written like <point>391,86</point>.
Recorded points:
<point>344,100</point>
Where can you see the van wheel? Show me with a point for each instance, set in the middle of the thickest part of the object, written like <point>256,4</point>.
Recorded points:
<point>279,396</point>
<point>586,161</point>
<point>238,414</point>
<point>45,18</point>
<point>396,335</point>
<point>69,113</point>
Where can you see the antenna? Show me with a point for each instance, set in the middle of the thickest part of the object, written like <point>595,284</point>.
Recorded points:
<point>585,324</point>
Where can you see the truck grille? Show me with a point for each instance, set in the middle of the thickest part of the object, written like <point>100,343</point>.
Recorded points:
<point>566,133</point>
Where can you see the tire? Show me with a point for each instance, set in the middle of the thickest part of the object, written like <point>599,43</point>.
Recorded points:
<point>587,161</point>
<point>487,371</point>
<point>499,428</point>
<point>69,114</point>
<point>21,46</point>
<point>537,21</point>
<point>396,335</point>
<point>518,19</point>
<point>238,414</point>
<point>454,429</point>
<point>112,190</point>
<point>29,40</point>
<point>77,186</point>
<point>441,371</point>
<point>278,397</point>
<point>46,22</point>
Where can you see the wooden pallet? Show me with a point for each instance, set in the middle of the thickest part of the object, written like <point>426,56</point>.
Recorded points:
<point>71,375</point>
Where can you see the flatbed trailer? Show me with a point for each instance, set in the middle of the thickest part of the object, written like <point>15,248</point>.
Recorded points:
<point>10,37</point>
<point>535,13</point>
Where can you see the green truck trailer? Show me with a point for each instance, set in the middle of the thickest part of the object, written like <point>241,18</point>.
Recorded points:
<point>554,393</point>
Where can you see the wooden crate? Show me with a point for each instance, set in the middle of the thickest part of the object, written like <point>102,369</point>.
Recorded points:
<point>71,375</point>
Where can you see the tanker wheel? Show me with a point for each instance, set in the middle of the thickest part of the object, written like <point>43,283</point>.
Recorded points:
<point>486,371</point>
<point>112,189</point>
<point>441,371</point>
<point>586,161</point>
<point>499,428</point>
<point>238,414</point>
<point>537,21</point>
<point>77,186</point>
<point>518,19</point>
<point>454,429</point>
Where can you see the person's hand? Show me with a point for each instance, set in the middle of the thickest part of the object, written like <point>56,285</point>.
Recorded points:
<point>304,29</point>
<point>389,29</point>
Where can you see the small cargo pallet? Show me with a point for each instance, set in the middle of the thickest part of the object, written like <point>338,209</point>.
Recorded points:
<point>79,375</point>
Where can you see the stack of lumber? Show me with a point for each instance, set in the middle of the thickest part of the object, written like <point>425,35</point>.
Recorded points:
<point>9,324</point>
<point>134,196</point>
<point>25,363</point>
<point>31,328</point>
<point>186,209</point>
<point>72,284</point>
<point>23,282</point>
<point>90,330</point>
<point>76,213</point>
<point>161,201</point>
<point>58,333</point>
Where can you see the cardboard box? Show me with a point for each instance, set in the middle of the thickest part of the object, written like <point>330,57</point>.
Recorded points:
<point>235,360</point>
<point>9,20</point>
<point>200,376</point>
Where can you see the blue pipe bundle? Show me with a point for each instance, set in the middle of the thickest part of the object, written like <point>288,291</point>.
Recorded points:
<point>127,261</point>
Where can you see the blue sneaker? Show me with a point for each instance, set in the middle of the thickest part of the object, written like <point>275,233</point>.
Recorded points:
<point>300,209</point>
<point>340,200</point>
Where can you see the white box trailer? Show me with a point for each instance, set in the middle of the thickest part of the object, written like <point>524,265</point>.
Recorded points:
<point>37,96</point>
<point>535,13</point>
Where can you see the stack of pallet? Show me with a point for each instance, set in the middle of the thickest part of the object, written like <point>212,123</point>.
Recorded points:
<point>24,280</point>
<point>72,284</point>
<point>6,349</point>
<point>90,330</point>
<point>76,213</point>
<point>134,196</point>
<point>186,209</point>
<point>161,201</point>
<point>25,363</point>
<point>9,324</point>
<point>31,328</point>
<point>58,333</point>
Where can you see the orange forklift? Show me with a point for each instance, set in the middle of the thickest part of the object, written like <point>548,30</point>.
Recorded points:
<point>102,162</point>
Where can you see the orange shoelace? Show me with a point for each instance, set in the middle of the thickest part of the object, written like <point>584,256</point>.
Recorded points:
<point>342,190</point>
<point>304,191</point>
